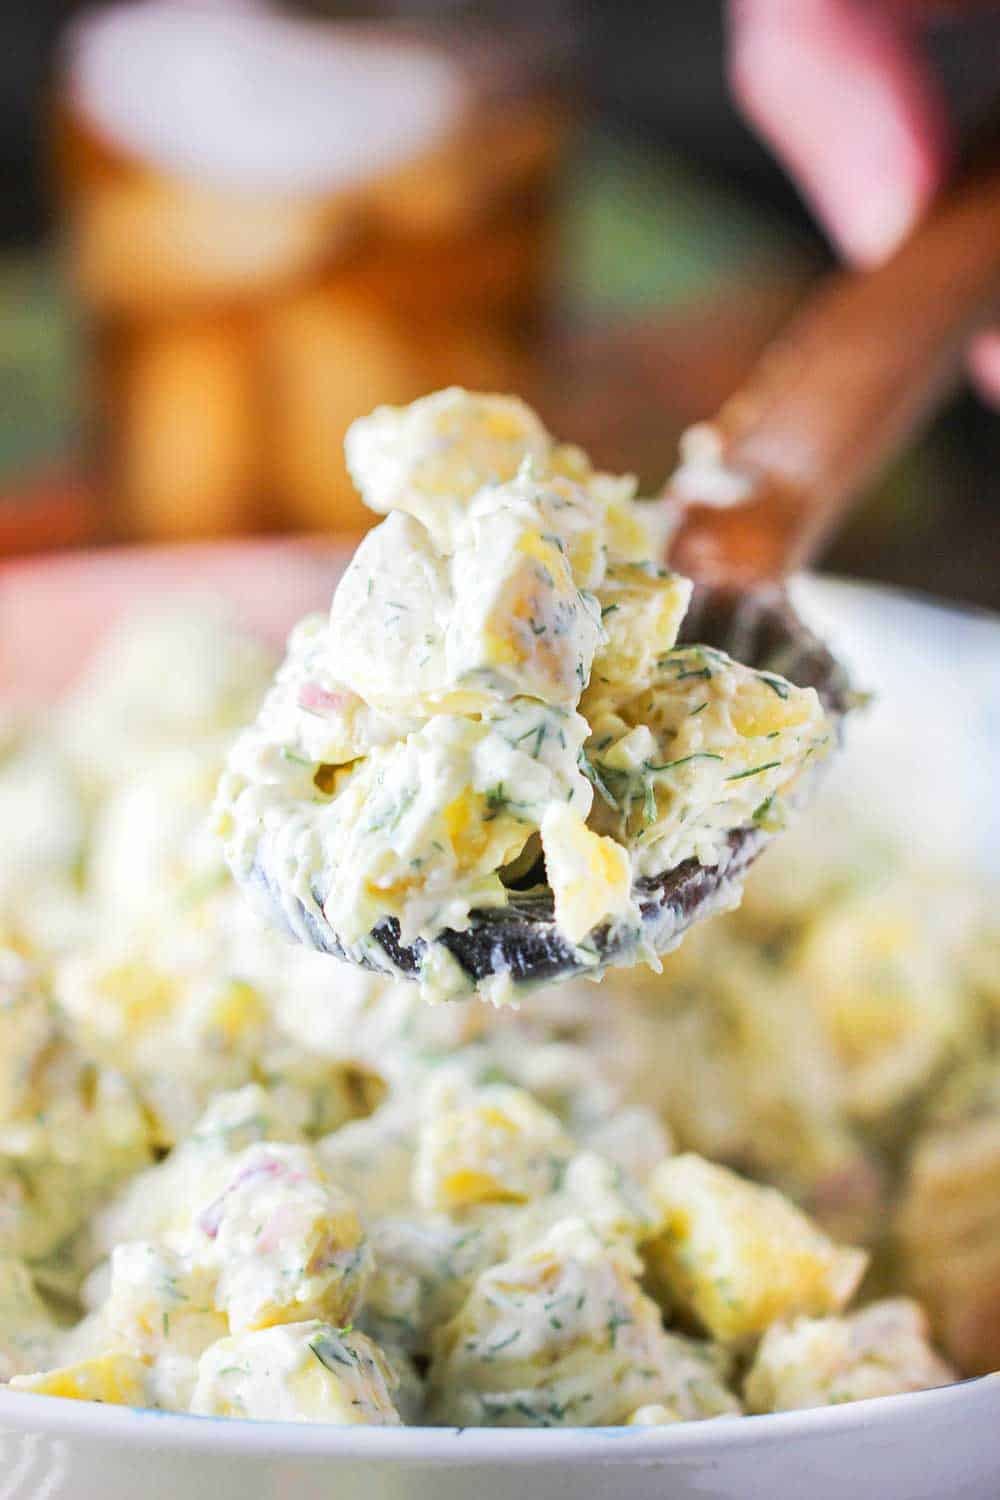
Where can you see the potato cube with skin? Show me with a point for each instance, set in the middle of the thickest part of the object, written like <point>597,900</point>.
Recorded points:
<point>116,1379</point>
<point>885,990</point>
<point>435,457</point>
<point>322,720</point>
<point>947,1226</point>
<point>394,594</point>
<point>155,1295</point>
<point>882,1350</point>
<point>286,1244</point>
<point>431,457</point>
<point>590,875</point>
<point>575,511</point>
<point>562,1335</point>
<point>159,1202</point>
<point>520,625</point>
<point>162,1310</point>
<point>298,1372</point>
<point>739,1257</point>
<point>642,606</point>
<point>495,1146</point>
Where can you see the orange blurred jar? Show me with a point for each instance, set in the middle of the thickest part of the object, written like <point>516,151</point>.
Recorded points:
<point>275,224</point>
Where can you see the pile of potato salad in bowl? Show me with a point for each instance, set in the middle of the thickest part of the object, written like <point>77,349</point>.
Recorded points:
<point>497,701</point>
<point>238,1178</point>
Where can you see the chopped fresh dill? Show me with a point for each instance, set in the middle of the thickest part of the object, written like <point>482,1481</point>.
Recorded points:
<point>682,760</point>
<point>595,778</point>
<point>761,812</point>
<point>537,733</point>
<point>328,1354</point>
<point>618,1318</point>
<point>496,801</point>
<point>387,820</point>
<point>495,1349</point>
<point>770,765</point>
<point>776,684</point>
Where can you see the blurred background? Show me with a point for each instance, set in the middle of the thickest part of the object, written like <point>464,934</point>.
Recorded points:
<point>228,229</point>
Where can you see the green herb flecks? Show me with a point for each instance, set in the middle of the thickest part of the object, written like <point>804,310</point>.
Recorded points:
<point>494,1349</point>
<point>329,1353</point>
<point>682,760</point>
<point>387,820</point>
<point>776,684</point>
<point>596,779</point>
<point>617,1318</point>
<point>538,734</point>
<point>770,765</point>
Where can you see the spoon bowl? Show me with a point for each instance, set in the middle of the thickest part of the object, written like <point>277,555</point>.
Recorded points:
<point>521,940</point>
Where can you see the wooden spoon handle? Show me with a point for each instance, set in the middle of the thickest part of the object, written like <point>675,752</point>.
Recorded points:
<point>866,360</point>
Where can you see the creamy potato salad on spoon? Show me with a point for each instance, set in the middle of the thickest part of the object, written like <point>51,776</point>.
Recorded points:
<point>494,764</point>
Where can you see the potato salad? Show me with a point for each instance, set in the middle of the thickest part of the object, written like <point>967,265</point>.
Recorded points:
<point>497,701</point>
<point>240,1180</point>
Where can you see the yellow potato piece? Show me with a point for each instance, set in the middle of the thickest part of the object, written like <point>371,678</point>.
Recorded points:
<point>590,875</point>
<point>739,1256</point>
<point>496,1145</point>
<point>118,1379</point>
<point>642,607</point>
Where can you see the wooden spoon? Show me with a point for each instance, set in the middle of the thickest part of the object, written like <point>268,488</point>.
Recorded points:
<point>867,359</point>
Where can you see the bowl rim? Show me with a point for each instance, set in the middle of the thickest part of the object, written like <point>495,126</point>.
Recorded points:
<point>135,1427</point>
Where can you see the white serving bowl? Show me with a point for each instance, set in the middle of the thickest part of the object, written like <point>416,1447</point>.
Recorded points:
<point>928,751</point>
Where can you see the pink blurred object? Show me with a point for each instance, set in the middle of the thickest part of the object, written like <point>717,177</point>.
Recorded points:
<point>55,610</point>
